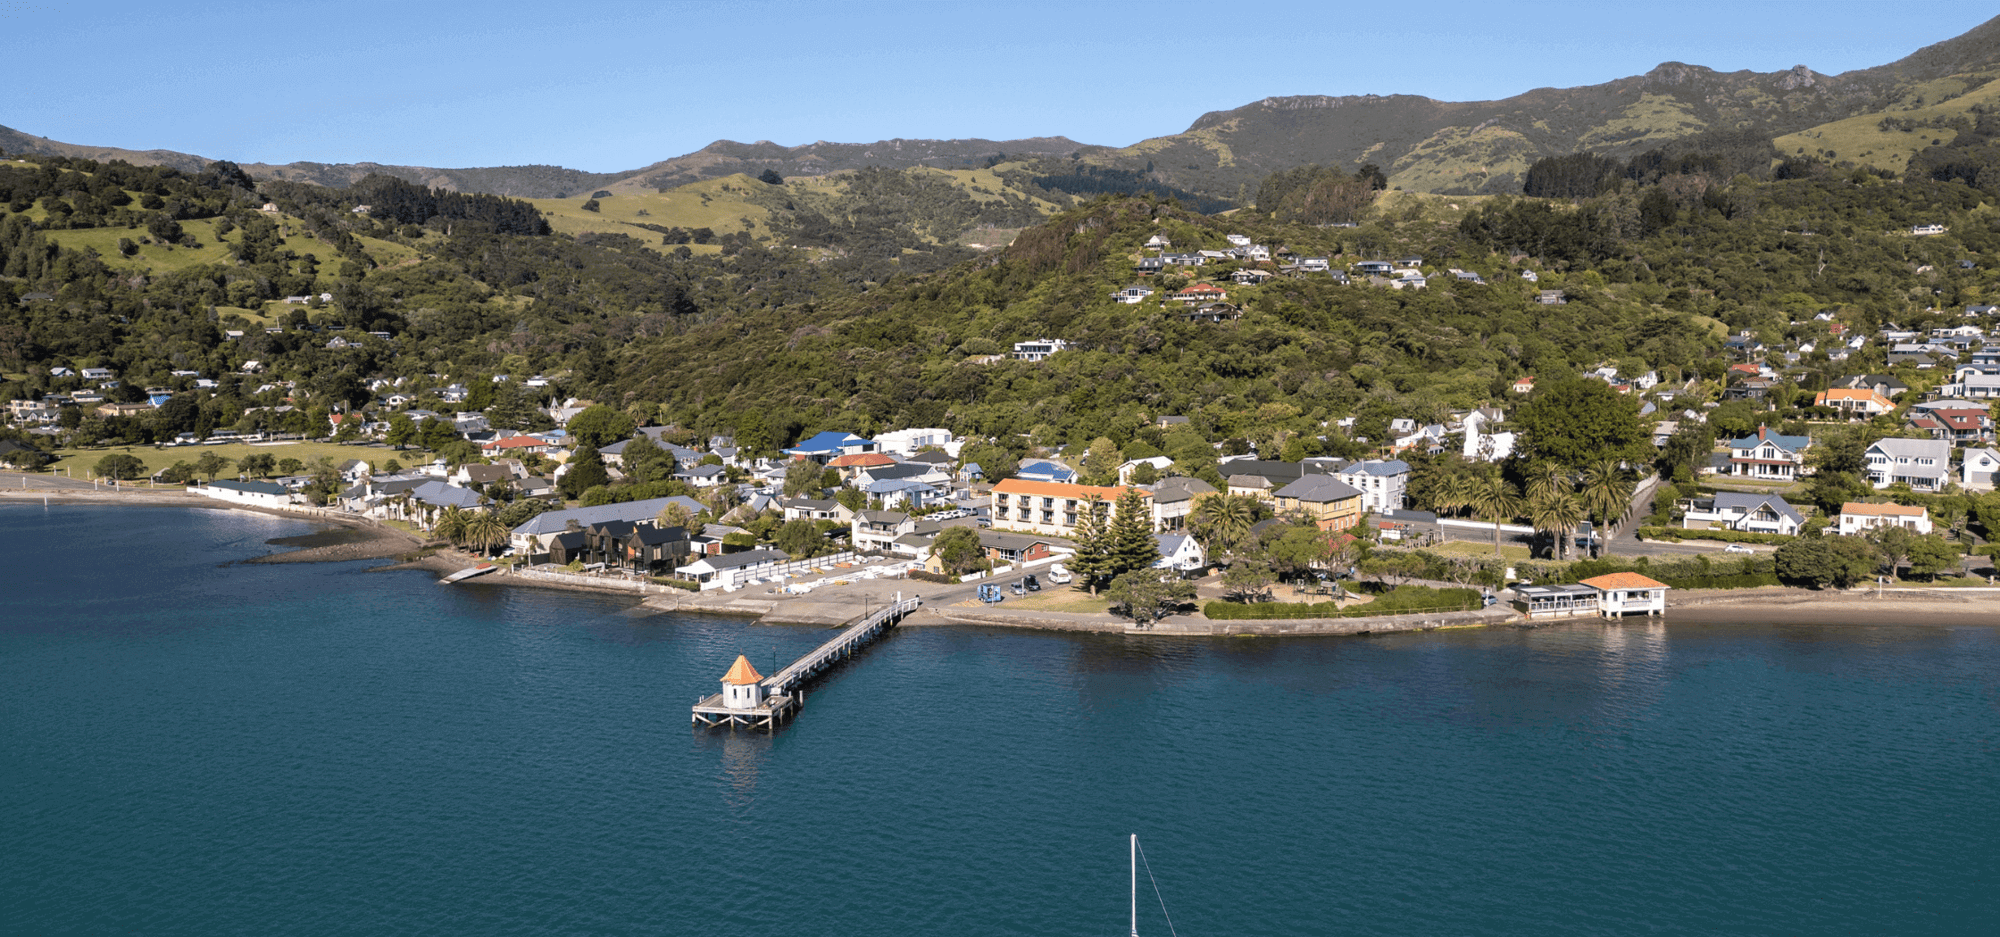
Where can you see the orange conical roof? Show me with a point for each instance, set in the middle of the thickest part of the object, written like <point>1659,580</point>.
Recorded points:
<point>741,672</point>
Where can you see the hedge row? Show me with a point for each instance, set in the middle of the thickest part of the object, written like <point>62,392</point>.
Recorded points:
<point>1405,599</point>
<point>1738,581</point>
<point>687,584</point>
<point>1727,536</point>
<point>924,575</point>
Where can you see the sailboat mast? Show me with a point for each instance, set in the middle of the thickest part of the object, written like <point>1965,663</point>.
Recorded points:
<point>1135,885</point>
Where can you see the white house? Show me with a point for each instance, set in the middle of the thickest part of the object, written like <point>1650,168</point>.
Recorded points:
<point>259,494</point>
<point>1734,510</point>
<point>906,442</point>
<point>1159,463</point>
<point>1381,483</point>
<point>1621,594</point>
<point>1768,455</point>
<point>731,571</point>
<point>1979,468</point>
<point>1180,553</point>
<point>1923,464</point>
<point>1039,349</point>
<point>1856,517</point>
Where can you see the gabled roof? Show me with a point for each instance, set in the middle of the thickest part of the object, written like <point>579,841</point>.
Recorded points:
<point>741,673</point>
<point>740,560</point>
<point>1913,448</point>
<point>1378,467</point>
<point>441,495</point>
<point>554,522</point>
<point>1180,488</point>
<point>1764,435</point>
<point>1319,489</point>
<point>828,442</point>
<point>1747,502</point>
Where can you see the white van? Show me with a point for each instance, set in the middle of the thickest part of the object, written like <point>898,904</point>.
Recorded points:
<point>1059,575</point>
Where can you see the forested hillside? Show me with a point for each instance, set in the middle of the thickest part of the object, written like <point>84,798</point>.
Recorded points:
<point>778,335</point>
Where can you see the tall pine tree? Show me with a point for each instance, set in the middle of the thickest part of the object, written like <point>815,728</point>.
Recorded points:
<point>1129,542</point>
<point>1092,562</point>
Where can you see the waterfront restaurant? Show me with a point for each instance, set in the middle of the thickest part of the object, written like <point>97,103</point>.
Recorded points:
<point>1541,602</point>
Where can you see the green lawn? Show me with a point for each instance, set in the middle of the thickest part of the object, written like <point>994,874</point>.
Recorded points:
<point>80,461</point>
<point>1476,548</point>
<point>1055,598</point>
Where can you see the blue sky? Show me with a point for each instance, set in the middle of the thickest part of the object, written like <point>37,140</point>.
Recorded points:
<point>615,86</point>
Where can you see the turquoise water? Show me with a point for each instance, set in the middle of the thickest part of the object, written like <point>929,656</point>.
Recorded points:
<point>190,747</point>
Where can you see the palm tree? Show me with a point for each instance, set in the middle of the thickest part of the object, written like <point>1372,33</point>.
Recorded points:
<point>1545,479</point>
<point>1607,492</point>
<point>1558,512</point>
<point>1453,493</point>
<point>1494,499</point>
<point>451,524</point>
<point>484,531</point>
<point>1221,522</point>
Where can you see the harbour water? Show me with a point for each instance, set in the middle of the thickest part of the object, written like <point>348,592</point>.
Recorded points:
<point>190,746</point>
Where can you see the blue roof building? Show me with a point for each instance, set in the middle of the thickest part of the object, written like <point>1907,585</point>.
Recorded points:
<point>831,445</point>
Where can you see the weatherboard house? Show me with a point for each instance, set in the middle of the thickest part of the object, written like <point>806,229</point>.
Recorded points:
<point>1621,594</point>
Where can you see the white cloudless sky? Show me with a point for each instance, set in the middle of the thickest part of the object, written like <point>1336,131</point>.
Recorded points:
<point>612,86</point>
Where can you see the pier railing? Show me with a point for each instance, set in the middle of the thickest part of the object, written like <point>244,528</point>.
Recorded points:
<point>840,647</point>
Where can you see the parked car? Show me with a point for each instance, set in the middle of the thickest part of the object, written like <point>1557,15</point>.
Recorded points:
<point>1017,588</point>
<point>1737,548</point>
<point>1033,584</point>
<point>1059,575</point>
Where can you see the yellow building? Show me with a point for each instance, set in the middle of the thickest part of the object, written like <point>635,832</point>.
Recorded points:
<point>1331,503</point>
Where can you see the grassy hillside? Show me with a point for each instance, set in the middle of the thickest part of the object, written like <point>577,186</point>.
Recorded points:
<point>158,258</point>
<point>1922,115</point>
<point>768,213</point>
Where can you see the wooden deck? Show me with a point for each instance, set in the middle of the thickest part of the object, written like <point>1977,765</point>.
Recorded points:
<point>710,713</point>
<point>783,694</point>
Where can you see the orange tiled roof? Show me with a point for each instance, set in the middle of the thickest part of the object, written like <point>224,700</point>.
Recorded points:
<point>1017,486</point>
<point>515,442</point>
<point>741,672</point>
<point>1843,393</point>
<point>1622,581</point>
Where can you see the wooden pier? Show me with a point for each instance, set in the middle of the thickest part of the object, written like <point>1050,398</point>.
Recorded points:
<point>782,693</point>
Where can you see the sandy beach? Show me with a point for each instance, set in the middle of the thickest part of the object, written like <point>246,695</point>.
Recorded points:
<point>1905,606</point>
